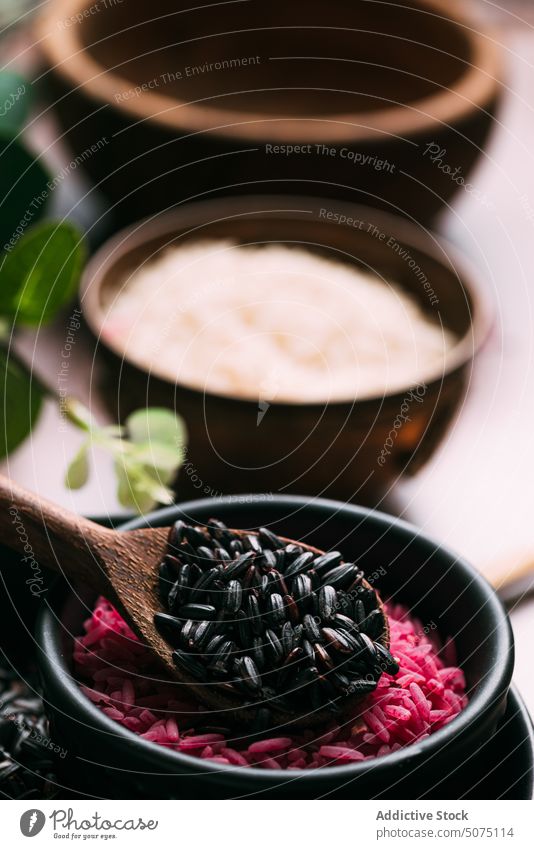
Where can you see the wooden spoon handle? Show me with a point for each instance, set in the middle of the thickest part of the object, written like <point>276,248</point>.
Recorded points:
<point>512,573</point>
<point>47,535</point>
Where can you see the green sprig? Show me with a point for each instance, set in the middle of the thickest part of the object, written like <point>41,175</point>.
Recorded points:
<point>148,453</point>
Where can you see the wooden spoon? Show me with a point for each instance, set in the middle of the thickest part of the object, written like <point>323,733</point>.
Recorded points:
<point>123,567</point>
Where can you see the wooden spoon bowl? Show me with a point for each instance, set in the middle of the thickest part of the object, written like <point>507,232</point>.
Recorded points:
<point>123,566</point>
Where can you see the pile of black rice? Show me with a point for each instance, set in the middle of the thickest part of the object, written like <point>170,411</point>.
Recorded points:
<point>270,620</point>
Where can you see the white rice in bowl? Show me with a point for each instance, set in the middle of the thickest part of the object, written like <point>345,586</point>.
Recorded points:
<point>275,322</point>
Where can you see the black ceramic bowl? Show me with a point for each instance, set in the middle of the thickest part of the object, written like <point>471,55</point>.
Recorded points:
<point>374,82</point>
<point>436,584</point>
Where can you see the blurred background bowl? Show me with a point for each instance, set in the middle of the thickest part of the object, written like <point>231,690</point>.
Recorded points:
<point>439,587</point>
<point>315,448</point>
<point>181,101</point>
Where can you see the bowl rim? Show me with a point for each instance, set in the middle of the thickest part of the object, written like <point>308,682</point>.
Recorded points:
<point>190,217</point>
<point>66,54</point>
<point>52,662</point>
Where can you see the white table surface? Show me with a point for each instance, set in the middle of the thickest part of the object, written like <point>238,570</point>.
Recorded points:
<point>476,493</point>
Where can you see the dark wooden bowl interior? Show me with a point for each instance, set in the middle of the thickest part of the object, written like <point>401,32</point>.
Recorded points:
<point>321,447</point>
<point>351,56</point>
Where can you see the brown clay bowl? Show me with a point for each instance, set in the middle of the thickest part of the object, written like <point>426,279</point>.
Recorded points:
<point>186,101</point>
<point>314,448</point>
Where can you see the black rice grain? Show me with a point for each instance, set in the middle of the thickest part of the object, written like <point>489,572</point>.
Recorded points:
<point>169,627</point>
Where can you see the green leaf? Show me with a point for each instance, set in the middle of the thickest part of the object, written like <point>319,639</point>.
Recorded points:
<point>157,424</point>
<point>25,191</point>
<point>145,464</point>
<point>125,495</point>
<point>112,430</point>
<point>138,487</point>
<point>155,452</point>
<point>21,400</point>
<point>41,273</point>
<point>15,99</point>
<point>78,470</point>
<point>12,11</point>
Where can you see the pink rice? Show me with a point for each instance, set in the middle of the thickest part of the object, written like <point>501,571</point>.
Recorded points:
<point>426,693</point>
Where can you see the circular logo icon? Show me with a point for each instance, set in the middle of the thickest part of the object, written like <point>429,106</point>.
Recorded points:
<point>32,822</point>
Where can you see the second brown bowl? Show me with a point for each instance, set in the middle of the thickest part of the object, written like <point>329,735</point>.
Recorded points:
<point>315,448</point>
<point>378,103</point>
